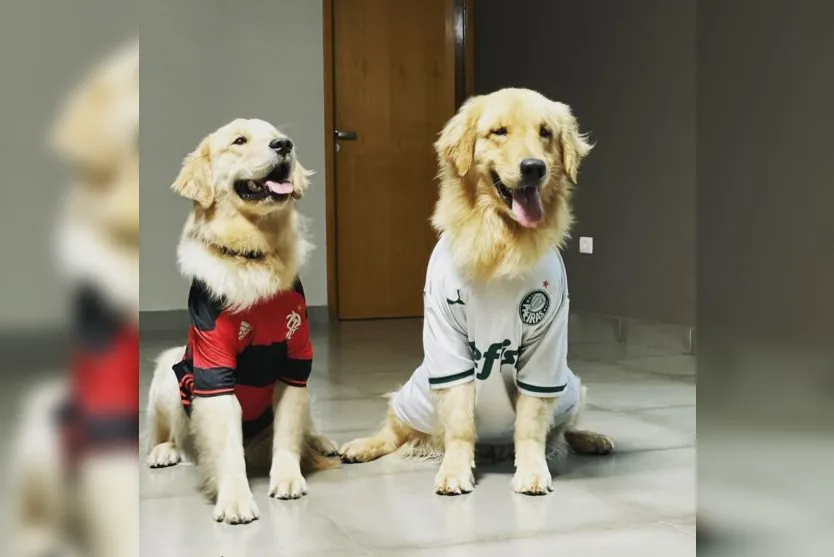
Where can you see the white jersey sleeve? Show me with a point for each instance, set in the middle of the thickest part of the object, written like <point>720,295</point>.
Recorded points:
<point>543,359</point>
<point>447,357</point>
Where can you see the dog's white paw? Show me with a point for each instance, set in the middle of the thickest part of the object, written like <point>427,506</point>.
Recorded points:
<point>236,505</point>
<point>533,481</point>
<point>164,454</point>
<point>454,479</point>
<point>285,479</point>
<point>287,486</point>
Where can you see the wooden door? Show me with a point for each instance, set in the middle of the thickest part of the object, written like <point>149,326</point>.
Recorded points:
<point>394,87</point>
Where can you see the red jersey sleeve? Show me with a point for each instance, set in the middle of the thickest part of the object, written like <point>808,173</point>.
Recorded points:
<point>213,345</point>
<point>299,363</point>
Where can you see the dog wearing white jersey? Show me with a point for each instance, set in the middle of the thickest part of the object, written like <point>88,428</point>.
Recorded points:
<point>496,301</point>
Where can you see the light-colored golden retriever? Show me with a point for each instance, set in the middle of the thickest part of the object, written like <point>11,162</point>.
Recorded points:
<point>97,233</point>
<point>243,243</point>
<point>507,163</point>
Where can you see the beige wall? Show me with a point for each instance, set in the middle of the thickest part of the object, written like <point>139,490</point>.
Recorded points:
<point>205,62</point>
<point>46,48</point>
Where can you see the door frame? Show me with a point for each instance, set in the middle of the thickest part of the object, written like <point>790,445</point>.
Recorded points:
<point>460,25</point>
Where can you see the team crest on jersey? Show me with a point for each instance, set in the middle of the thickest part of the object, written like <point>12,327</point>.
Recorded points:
<point>245,329</point>
<point>534,307</point>
<point>293,323</point>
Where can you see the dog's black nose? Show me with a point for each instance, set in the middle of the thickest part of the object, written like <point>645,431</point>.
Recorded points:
<point>281,145</point>
<point>533,168</point>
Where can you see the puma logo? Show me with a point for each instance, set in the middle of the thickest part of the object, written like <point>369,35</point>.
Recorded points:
<point>453,302</point>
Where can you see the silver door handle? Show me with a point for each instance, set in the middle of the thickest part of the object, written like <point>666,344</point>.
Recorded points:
<point>345,136</point>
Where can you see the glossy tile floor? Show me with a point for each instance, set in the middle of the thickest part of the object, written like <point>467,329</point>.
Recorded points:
<point>638,502</point>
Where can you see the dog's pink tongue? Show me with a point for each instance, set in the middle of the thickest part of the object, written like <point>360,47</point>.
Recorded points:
<point>279,187</point>
<point>527,206</point>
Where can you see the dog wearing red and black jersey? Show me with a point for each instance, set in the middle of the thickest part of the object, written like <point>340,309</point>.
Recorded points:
<point>236,395</point>
<point>73,465</point>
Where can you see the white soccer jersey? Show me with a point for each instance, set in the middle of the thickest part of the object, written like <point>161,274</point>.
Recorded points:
<point>509,336</point>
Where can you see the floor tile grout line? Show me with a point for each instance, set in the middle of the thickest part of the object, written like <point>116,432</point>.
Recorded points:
<point>678,527</point>
<point>670,376</point>
<point>638,373</point>
<point>639,412</point>
<point>635,411</point>
<point>635,508</point>
<point>654,356</point>
<point>358,543</point>
<point>593,406</point>
<point>596,528</point>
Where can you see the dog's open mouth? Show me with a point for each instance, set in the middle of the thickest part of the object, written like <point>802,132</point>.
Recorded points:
<point>277,186</point>
<point>525,201</point>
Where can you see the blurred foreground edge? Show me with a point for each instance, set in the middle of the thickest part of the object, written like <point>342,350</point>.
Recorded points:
<point>75,466</point>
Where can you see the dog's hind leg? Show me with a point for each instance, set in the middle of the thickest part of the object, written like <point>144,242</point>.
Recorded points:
<point>318,444</point>
<point>39,498</point>
<point>164,451</point>
<point>321,445</point>
<point>391,436</point>
<point>589,442</point>
<point>167,423</point>
<point>586,442</point>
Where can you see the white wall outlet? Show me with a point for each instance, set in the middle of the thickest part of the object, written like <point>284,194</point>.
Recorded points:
<point>586,244</point>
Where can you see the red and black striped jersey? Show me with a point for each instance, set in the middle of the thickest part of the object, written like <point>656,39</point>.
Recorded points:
<point>101,410</point>
<point>245,353</point>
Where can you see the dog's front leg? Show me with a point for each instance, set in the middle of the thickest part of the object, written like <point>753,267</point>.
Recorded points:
<point>218,435</point>
<point>456,419</point>
<point>532,422</point>
<point>292,408</point>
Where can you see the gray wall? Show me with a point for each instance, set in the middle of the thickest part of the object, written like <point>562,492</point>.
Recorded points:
<point>628,70</point>
<point>204,63</point>
<point>46,48</point>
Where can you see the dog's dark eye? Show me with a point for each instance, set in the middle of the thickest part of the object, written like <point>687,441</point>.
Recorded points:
<point>239,140</point>
<point>499,131</point>
<point>545,133</point>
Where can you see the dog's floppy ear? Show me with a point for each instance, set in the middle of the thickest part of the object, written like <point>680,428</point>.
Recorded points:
<point>456,143</point>
<point>194,180</point>
<point>575,146</point>
<point>300,181</point>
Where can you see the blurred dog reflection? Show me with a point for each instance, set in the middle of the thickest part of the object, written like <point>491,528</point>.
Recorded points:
<point>76,474</point>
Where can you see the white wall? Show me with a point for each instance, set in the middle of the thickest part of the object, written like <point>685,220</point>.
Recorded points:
<point>204,63</point>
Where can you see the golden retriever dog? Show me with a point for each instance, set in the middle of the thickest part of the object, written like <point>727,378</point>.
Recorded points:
<point>237,392</point>
<point>496,301</point>
<point>65,474</point>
